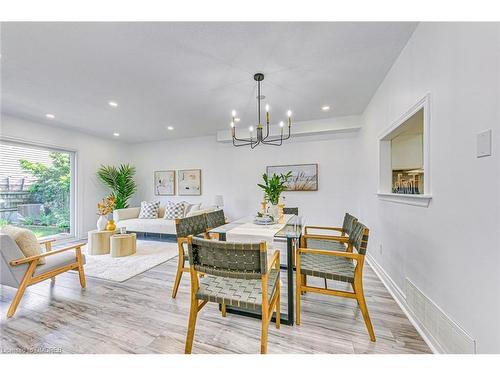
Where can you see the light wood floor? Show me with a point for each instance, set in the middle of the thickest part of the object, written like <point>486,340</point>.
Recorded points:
<point>139,316</point>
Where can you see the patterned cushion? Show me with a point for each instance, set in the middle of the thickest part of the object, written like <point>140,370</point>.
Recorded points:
<point>327,267</point>
<point>228,259</point>
<point>174,210</point>
<point>291,211</point>
<point>348,224</point>
<point>244,293</point>
<point>216,219</point>
<point>149,210</point>
<point>359,237</point>
<point>192,225</point>
<point>312,243</point>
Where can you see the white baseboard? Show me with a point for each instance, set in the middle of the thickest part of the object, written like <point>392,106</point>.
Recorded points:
<point>400,299</point>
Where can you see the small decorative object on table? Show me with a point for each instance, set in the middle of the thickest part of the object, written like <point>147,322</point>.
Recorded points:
<point>102,222</point>
<point>104,208</point>
<point>281,215</point>
<point>111,226</point>
<point>264,219</point>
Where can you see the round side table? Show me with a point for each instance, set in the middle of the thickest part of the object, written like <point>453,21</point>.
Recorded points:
<point>123,245</point>
<point>99,242</point>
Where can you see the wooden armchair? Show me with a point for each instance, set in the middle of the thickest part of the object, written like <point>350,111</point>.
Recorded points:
<point>345,266</point>
<point>291,211</point>
<point>337,241</point>
<point>236,274</point>
<point>20,272</point>
<point>191,225</point>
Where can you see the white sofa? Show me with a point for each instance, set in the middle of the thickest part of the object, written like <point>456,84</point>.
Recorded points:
<point>129,218</point>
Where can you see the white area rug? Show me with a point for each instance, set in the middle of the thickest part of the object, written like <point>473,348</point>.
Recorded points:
<point>149,254</point>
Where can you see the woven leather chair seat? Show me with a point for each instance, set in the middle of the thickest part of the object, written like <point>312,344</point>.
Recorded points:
<point>244,293</point>
<point>313,243</point>
<point>328,267</point>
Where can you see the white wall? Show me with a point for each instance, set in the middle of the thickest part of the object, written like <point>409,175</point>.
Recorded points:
<point>91,152</point>
<point>450,250</point>
<point>406,151</point>
<point>235,172</point>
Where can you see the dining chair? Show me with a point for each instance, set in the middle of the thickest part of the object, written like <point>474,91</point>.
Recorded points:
<point>20,271</point>
<point>344,266</point>
<point>329,241</point>
<point>215,219</point>
<point>188,226</point>
<point>337,241</point>
<point>236,274</point>
<point>291,211</point>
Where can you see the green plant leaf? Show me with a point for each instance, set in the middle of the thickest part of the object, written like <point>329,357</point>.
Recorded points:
<point>120,181</point>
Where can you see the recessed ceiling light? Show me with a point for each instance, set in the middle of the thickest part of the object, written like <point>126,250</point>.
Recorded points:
<point>170,127</point>
<point>325,108</point>
<point>50,115</point>
<point>113,104</point>
<point>116,134</point>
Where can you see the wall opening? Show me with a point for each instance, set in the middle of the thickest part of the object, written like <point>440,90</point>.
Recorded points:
<point>404,156</point>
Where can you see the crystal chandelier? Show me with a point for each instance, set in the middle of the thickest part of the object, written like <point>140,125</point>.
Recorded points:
<point>260,137</point>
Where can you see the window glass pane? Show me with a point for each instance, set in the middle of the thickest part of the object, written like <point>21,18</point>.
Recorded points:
<point>35,189</point>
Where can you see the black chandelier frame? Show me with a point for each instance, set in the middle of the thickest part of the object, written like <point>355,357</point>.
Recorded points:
<point>266,140</point>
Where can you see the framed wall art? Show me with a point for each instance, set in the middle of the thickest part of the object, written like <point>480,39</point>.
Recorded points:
<point>304,176</point>
<point>189,181</point>
<point>164,183</point>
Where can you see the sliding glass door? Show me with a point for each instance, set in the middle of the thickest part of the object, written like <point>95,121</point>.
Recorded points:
<point>37,189</point>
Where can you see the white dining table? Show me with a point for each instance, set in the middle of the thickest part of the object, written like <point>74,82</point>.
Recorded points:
<point>285,236</point>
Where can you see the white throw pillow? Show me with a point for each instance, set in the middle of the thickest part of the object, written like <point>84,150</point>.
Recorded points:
<point>191,207</point>
<point>197,212</point>
<point>26,240</point>
<point>174,210</point>
<point>149,210</point>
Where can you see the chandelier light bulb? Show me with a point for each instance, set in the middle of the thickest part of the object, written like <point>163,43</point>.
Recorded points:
<point>233,112</point>
<point>281,124</point>
<point>267,107</point>
<point>232,124</point>
<point>250,128</point>
<point>289,113</point>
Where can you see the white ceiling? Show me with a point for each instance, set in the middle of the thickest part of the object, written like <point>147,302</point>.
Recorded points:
<point>190,75</point>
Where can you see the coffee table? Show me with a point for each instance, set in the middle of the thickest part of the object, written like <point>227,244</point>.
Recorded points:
<point>123,245</point>
<point>99,242</point>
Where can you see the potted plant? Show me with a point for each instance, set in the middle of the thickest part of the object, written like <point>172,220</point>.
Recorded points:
<point>104,208</point>
<point>273,187</point>
<point>121,182</point>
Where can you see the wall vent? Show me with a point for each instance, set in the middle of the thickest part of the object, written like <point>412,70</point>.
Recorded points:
<point>450,336</point>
